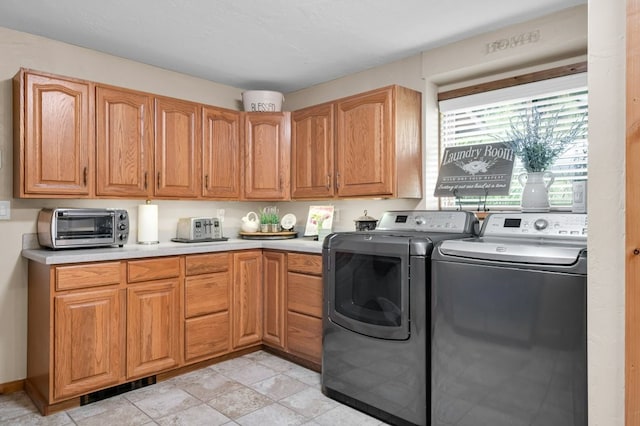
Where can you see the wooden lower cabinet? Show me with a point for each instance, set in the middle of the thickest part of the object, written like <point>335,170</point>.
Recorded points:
<point>95,325</point>
<point>273,282</point>
<point>87,341</point>
<point>304,306</point>
<point>206,336</point>
<point>76,330</point>
<point>247,299</point>
<point>153,315</point>
<point>153,327</point>
<point>304,336</point>
<point>207,326</point>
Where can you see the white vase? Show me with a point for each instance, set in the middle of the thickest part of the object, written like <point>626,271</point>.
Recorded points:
<point>535,194</point>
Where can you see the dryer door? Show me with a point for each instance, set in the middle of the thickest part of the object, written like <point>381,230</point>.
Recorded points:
<point>367,285</point>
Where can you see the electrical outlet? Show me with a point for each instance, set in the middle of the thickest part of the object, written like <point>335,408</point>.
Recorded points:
<point>5,210</point>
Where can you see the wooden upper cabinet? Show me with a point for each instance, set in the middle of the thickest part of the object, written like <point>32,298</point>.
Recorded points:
<point>378,144</point>
<point>266,155</point>
<point>177,148</point>
<point>312,142</point>
<point>221,161</point>
<point>53,136</point>
<point>124,141</point>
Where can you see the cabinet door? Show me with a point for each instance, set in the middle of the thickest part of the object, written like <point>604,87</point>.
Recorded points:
<point>124,140</point>
<point>267,154</point>
<point>88,342</point>
<point>364,144</point>
<point>312,152</point>
<point>153,327</point>
<point>206,336</point>
<point>221,153</point>
<point>56,155</point>
<point>304,336</point>
<point>247,298</point>
<point>275,273</point>
<point>178,166</point>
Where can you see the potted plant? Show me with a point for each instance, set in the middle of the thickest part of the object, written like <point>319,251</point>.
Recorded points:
<point>535,138</point>
<point>269,219</point>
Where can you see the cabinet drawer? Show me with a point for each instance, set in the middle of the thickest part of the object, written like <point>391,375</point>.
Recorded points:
<point>89,275</point>
<point>304,336</point>
<point>304,263</point>
<point>304,294</point>
<point>206,294</point>
<point>152,269</point>
<point>207,263</point>
<point>207,336</point>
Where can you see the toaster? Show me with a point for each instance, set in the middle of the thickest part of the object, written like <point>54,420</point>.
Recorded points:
<point>199,228</point>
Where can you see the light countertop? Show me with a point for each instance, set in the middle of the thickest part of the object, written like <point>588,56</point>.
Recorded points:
<point>137,251</point>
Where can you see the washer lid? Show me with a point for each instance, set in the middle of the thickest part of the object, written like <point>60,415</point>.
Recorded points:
<point>505,250</point>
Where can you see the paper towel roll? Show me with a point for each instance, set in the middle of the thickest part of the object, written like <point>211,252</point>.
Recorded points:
<point>147,224</point>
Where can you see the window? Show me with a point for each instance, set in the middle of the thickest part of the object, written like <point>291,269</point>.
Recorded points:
<point>485,118</point>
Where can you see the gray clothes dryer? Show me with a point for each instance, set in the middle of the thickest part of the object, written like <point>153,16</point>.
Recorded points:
<point>376,333</point>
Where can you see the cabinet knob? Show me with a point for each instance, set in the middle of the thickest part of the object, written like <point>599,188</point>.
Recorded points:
<point>636,251</point>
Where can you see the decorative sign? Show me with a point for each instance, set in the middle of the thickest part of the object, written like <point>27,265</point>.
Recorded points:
<point>320,218</point>
<point>475,170</point>
<point>513,41</point>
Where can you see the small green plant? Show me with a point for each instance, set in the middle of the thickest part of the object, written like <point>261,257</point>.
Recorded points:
<point>536,141</point>
<point>264,218</point>
<point>269,215</point>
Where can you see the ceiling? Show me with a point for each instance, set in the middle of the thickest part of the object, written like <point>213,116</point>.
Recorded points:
<point>282,45</point>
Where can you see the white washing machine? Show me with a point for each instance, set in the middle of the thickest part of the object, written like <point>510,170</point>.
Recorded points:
<point>509,323</point>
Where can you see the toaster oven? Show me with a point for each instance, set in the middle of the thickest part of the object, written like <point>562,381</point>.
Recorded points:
<point>82,227</point>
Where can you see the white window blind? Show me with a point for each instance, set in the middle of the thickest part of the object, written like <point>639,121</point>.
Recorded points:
<point>486,117</point>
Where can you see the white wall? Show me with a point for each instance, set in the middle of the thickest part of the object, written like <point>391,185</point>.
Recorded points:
<point>606,290</point>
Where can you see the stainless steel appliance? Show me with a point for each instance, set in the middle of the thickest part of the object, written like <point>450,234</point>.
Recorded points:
<point>82,227</point>
<point>199,228</point>
<point>376,312</point>
<point>509,323</point>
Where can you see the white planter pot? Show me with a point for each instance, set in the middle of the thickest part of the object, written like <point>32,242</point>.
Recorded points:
<point>535,195</point>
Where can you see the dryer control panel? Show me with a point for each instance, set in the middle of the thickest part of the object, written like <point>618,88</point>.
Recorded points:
<point>428,221</point>
<point>571,226</point>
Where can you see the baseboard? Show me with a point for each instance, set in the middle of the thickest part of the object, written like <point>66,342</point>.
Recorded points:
<point>11,387</point>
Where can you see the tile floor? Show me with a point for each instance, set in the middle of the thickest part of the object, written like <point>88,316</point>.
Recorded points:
<point>256,389</point>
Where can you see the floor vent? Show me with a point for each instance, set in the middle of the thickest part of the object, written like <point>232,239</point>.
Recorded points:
<point>116,390</point>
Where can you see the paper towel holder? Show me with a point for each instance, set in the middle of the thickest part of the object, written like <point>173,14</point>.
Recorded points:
<point>148,215</point>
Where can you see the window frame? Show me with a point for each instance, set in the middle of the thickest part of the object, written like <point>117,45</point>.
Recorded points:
<point>551,73</point>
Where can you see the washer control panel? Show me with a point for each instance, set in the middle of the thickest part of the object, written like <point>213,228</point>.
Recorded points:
<point>428,221</point>
<point>557,225</point>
